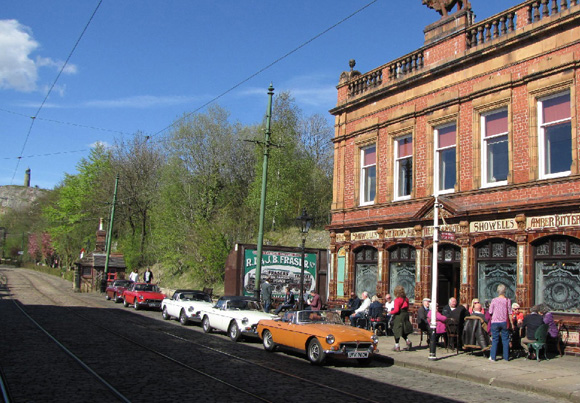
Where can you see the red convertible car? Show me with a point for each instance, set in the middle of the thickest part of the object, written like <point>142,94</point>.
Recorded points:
<point>143,295</point>
<point>115,291</point>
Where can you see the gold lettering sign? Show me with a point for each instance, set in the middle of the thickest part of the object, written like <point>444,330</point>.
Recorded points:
<point>428,231</point>
<point>340,238</point>
<point>361,236</point>
<point>493,225</point>
<point>399,233</point>
<point>554,221</point>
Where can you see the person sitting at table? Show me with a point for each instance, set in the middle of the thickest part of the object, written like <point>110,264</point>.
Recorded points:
<point>530,324</point>
<point>288,303</point>
<point>352,305</point>
<point>517,315</point>
<point>423,318</point>
<point>477,310</point>
<point>549,320</point>
<point>457,313</point>
<point>362,309</point>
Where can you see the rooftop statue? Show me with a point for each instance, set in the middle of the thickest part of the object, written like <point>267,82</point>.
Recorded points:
<point>443,7</point>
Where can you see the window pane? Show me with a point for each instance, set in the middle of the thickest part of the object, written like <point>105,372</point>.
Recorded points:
<point>405,147</point>
<point>366,278</point>
<point>491,274</point>
<point>496,123</point>
<point>497,159</point>
<point>370,183</point>
<point>446,136</point>
<point>558,148</point>
<point>405,176</point>
<point>447,169</point>
<point>556,108</point>
<point>370,156</point>
<point>403,274</point>
<point>557,285</point>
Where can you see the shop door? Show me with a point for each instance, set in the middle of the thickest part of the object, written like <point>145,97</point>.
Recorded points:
<point>448,266</point>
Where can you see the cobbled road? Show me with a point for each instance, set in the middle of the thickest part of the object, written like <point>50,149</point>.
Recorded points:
<point>146,359</point>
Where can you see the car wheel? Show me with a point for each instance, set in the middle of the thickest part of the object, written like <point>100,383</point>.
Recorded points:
<point>268,341</point>
<point>164,314</point>
<point>107,297</point>
<point>135,304</point>
<point>234,331</point>
<point>183,318</point>
<point>315,353</point>
<point>125,303</point>
<point>115,298</point>
<point>205,325</point>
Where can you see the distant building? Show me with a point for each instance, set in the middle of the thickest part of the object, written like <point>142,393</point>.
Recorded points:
<point>484,116</point>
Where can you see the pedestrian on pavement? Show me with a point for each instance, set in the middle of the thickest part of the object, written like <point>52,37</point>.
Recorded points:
<point>402,326</point>
<point>267,294</point>
<point>134,276</point>
<point>148,276</point>
<point>500,310</point>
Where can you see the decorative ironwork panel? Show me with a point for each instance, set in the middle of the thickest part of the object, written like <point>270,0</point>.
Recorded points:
<point>492,274</point>
<point>458,255</point>
<point>413,253</point>
<point>403,274</point>
<point>404,253</point>
<point>395,254</point>
<point>574,248</point>
<point>366,278</point>
<point>483,251</point>
<point>558,285</point>
<point>543,249</point>
<point>559,247</point>
<point>497,249</point>
<point>511,251</point>
<point>448,255</point>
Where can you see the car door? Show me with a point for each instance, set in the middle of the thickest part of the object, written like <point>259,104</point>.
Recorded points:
<point>173,306</point>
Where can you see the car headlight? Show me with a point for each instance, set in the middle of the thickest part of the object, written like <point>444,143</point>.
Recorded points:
<point>375,339</point>
<point>245,321</point>
<point>330,339</point>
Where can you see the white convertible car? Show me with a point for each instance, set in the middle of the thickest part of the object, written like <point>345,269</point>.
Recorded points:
<point>185,305</point>
<point>238,316</point>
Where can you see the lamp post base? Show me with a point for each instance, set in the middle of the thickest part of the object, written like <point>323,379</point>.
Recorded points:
<point>433,345</point>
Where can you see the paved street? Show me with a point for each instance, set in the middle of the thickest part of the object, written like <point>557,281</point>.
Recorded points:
<point>217,369</point>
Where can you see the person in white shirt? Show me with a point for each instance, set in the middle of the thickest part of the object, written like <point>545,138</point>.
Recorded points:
<point>134,276</point>
<point>390,304</point>
<point>362,309</point>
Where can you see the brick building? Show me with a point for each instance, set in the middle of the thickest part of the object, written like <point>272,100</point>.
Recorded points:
<point>484,118</point>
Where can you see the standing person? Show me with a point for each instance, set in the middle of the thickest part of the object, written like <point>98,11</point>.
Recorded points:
<point>148,276</point>
<point>134,276</point>
<point>288,303</point>
<point>267,294</point>
<point>362,309</point>
<point>402,326</point>
<point>500,310</point>
<point>352,305</point>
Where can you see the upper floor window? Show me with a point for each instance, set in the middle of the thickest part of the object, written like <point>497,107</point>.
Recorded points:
<point>495,162</point>
<point>368,179</point>
<point>555,136</point>
<point>403,167</point>
<point>445,156</point>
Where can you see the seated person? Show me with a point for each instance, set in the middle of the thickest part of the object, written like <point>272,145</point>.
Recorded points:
<point>473,302</point>
<point>475,332</point>
<point>424,318</point>
<point>517,315</point>
<point>477,310</point>
<point>441,326</point>
<point>456,312</point>
<point>530,324</point>
<point>376,312</point>
<point>352,305</point>
<point>362,310</point>
<point>288,303</point>
<point>552,325</point>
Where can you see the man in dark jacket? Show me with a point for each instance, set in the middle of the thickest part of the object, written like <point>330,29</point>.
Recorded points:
<point>288,301</point>
<point>352,305</point>
<point>531,323</point>
<point>456,312</point>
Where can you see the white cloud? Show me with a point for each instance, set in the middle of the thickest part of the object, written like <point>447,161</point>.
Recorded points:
<point>97,143</point>
<point>57,65</point>
<point>143,101</point>
<point>17,70</point>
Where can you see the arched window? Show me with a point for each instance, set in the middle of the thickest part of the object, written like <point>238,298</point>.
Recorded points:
<point>557,263</point>
<point>402,269</point>
<point>496,264</point>
<point>366,259</point>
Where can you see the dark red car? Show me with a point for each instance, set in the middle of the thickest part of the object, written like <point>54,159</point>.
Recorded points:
<point>115,291</point>
<point>143,295</point>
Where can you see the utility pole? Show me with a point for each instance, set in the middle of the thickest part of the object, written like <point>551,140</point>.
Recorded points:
<point>109,236</point>
<point>267,145</point>
<point>434,278</point>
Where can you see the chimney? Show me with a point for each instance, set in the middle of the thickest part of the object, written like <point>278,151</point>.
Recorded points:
<point>27,178</point>
<point>100,245</point>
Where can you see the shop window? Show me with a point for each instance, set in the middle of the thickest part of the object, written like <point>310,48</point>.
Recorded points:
<point>496,264</point>
<point>368,179</point>
<point>555,136</point>
<point>87,271</point>
<point>402,269</point>
<point>445,159</point>
<point>495,163</point>
<point>557,264</point>
<point>403,167</point>
<point>366,261</point>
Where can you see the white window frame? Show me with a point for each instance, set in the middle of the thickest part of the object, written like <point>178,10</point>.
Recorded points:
<point>437,150</point>
<point>542,139</point>
<point>396,171</point>
<point>363,175</point>
<point>484,146</point>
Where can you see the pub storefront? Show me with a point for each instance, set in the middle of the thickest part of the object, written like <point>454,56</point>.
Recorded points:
<point>536,257</point>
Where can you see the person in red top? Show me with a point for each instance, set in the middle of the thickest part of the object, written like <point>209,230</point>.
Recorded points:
<point>401,324</point>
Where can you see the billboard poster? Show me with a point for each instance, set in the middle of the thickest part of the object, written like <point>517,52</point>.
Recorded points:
<point>283,269</point>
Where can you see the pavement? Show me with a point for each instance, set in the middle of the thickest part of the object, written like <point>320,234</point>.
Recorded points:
<point>558,377</point>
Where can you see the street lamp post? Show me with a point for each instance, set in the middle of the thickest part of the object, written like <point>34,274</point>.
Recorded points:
<point>304,221</point>
<point>434,278</point>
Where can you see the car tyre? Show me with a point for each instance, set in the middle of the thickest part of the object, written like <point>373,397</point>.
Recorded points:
<point>125,303</point>
<point>135,304</point>
<point>268,341</point>
<point>164,313</point>
<point>315,353</point>
<point>205,325</point>
<point>234,331</point>
<point>183,318</point>
<point>115,299</point>
<point>107,297</point>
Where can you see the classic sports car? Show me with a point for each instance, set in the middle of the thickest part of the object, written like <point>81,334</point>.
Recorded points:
<point>185,305</point>
<point>238,316</point>
<point>318,334</point>
<point>143,295</point>
<point>115,291</point>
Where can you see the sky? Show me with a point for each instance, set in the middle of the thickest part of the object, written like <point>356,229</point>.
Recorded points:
<point>74,73</point>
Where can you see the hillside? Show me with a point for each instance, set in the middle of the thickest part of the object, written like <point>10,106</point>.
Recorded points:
<point>14,197</point>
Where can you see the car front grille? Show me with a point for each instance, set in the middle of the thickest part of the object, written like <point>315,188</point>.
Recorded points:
<point>355,346</point>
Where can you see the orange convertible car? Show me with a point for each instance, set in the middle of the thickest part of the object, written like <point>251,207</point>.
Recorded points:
<point>319,334</point>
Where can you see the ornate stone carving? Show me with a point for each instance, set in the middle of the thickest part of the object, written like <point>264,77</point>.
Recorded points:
<point>443,7</point>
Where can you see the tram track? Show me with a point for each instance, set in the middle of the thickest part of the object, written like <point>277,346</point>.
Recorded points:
<point>267,372</point>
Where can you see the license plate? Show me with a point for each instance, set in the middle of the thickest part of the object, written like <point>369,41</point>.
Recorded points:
<point>358,354</point>
<point>155,304</point>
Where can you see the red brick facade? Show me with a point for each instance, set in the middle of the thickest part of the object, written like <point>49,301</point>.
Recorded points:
<point>523,229</point>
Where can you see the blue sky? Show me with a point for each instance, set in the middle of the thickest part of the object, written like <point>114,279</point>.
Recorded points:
<point>141,64</point>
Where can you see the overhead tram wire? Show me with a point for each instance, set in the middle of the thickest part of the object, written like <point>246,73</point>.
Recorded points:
<point>266,67</point>
<point>33,118</point>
